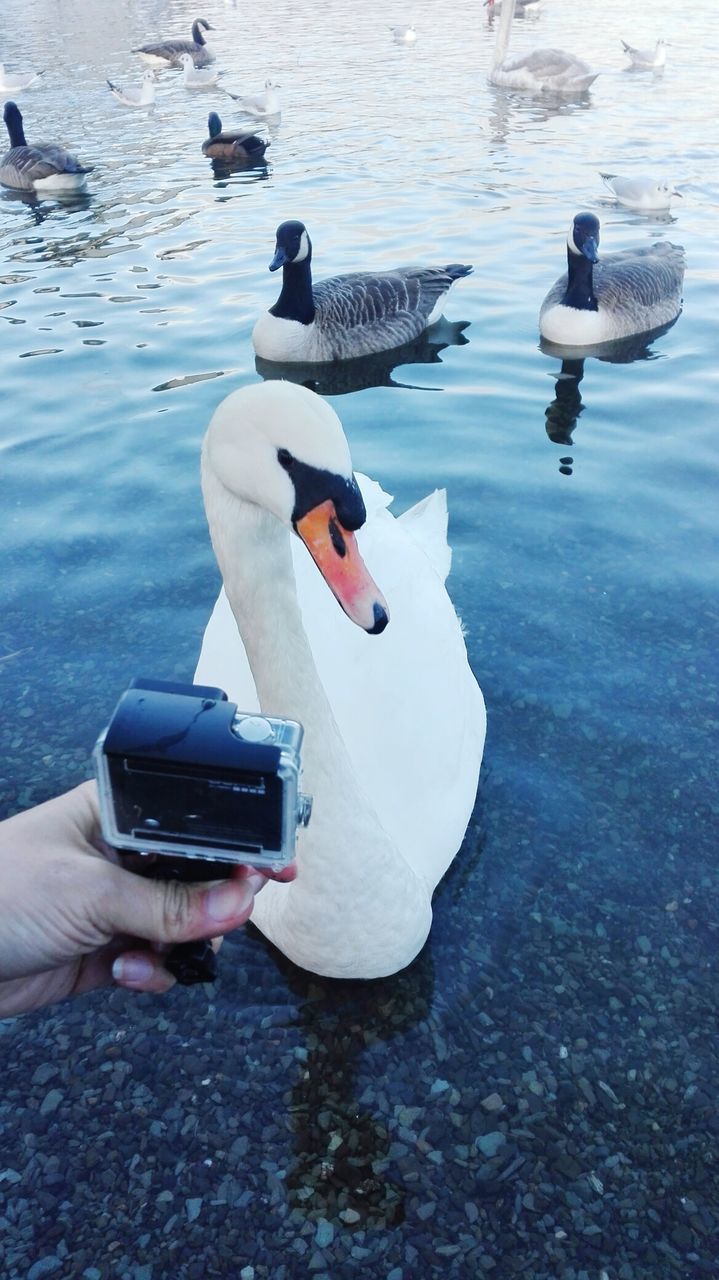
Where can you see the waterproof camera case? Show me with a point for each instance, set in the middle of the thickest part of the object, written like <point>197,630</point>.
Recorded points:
<point>195,785</point>
<point>182,772</point>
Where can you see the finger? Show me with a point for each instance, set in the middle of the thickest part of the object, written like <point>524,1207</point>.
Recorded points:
<point>142,971</point>
<point>169,911</point>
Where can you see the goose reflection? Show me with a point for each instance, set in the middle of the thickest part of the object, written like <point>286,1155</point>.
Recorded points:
<point>562,415</point>
<point>370,371</point>
<point>42,208</point>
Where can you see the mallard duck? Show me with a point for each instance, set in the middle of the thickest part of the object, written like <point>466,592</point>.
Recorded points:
<point>349,315</point>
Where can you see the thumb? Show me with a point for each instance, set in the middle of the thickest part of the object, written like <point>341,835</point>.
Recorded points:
<point>167,911</point>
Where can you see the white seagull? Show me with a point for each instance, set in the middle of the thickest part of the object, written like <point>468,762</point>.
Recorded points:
<point>196,77</point>
<point>142,95</point>
<point>404,35</point>
<point>16,84</point>
<point>640,191</point>
<point>262,104</point>
<point>647,59</point>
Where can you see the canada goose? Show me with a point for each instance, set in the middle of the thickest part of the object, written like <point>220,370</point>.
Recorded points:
<point>142,95</point>
<point>552,70</point>
<point>600,299</point>
<point>167,52</point>
<point>43,167</point>
<point>640,192</point>
<point>646,59</point>
<point>348,315</point>
<point>394,719</point>
<point>231,144</point>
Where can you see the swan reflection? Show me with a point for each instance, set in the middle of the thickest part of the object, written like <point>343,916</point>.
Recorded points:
<point>562,415</point>
<point>370,371</point>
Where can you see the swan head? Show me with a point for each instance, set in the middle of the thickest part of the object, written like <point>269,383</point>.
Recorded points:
<point>583,238</point>
<point>293,244</point>
<point>282,448</point>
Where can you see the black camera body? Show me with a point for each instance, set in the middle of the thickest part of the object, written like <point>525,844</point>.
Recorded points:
<point>181,772</point>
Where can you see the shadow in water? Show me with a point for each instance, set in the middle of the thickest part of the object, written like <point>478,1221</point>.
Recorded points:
<point>251,170</point>
<point>562,415</point>
<point>45,207</point>
<point>344,376</point>
<point>342,1148</point>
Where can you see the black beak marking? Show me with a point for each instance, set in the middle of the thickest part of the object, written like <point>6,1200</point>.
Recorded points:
<point>338,541</point>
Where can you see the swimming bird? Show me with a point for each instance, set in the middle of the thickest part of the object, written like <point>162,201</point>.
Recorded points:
<point>404,35</point>
<point>231,144</point>
<point>43,167</point>
<point>646,59</point>
<point>522,6</point>
<point>167,53</point>
<point>394,719</point>
<point>262,104</point>
<point>539,71</point>
<point>142,95</point>
<point>16,84</point>
<point>348,315</point>
<point>601,299</point>
<point>640,192</point>
<point>196,77</point>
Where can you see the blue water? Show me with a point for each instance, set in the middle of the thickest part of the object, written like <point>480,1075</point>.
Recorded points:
<point>581,914</point>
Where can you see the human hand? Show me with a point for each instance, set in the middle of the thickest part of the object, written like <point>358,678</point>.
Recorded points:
<point>72,918</point>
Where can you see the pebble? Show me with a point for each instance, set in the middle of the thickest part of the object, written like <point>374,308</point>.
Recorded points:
<point>192,1208</point>
<point>51,1102</point>
<point>490,1143</point>
<point>492,1102</point>
<point>325,1234</point>
<point>44,1266</point>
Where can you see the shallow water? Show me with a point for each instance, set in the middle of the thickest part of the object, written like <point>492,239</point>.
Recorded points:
<point>574,943</point>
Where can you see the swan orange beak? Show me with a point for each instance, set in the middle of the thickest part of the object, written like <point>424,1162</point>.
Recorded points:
<point>335,552</point>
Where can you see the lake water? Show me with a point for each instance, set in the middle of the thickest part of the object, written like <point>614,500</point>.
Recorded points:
<point>536,1094</point>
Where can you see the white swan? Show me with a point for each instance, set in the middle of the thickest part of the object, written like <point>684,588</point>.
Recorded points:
<point>646,59</point>
<point>394,722</point>
<point>43,167</point>
<point>17,84</point>
<point>349,315</point>
<point>142,95</point>
<point>166,53</point>
<point>602,299</point>
<point>538,71</point>
<point>262,105</point>
<point>640,192</point>
<point>196,77</point>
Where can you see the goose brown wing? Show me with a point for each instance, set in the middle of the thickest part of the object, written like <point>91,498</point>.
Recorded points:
<point>401,300</point>
<point>648,278</point>
<point>28,164</point>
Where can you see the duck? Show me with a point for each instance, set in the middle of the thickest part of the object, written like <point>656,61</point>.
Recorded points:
<point>142,95</point>
<point>348,315</point>
<point>542,70</point>
<point>602,299</point>
<point>231,144</point>
<point>262,105</point>
<point>166,53</point>
<point>404,35</point>
<point>196,77</point>
<point>393,717</point>
<point>17,84</point>
<point>43,167</point>
<point>640,191</point>
<point>646,59</point>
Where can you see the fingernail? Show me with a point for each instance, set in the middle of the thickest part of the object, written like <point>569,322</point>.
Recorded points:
<point>224,901</point>
<point>255,880</point>
<point>132,969</point>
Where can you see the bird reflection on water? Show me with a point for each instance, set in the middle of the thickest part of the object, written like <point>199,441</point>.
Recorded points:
<point>375,370</point>
<point>562,415</point>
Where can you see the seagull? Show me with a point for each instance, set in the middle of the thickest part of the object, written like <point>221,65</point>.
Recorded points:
<point>262,104</point>
<point>142,95</point>
<point>404,35</point>
<point>640,191</point>
<point>196,77</point>
<point>16,84</point>
<point>647,59</point>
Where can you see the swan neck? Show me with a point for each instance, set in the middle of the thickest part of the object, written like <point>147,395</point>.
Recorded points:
<point>501,45</point>
<point>296,301</point>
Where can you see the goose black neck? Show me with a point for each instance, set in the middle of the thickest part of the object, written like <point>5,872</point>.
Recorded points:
<point>13,121</point>
<point>197,35</point>
<point>580,286</point>
<point>296,301</point>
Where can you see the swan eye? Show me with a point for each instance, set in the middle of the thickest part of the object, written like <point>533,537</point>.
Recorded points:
<point>285,459</point>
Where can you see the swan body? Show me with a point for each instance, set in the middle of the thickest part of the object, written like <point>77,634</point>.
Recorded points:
<point>142,95</point>
<point>404,35</point>
<point>542,70</point>
<point>348,315</point>
<point>196,77</point>
<point>602,299</point>
<point>43,167</point>
<point>231,144</point>
<point>394,719</point>
<point>647,59</point>
<point>167,53</point>
<point>640,192</point>
<point>262,105</point>
<point>16,84</point>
